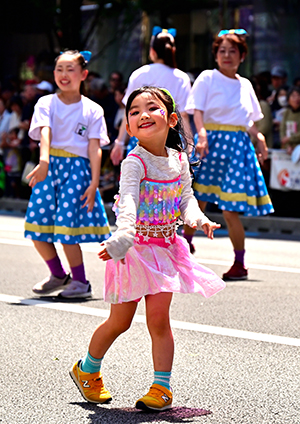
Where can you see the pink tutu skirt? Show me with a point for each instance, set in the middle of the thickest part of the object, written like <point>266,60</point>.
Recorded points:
<point>154,267</point>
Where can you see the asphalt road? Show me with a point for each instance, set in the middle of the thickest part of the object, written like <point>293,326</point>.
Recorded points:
<point>236,359</point>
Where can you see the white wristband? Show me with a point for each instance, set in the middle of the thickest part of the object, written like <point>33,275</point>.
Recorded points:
<point>119,142</point>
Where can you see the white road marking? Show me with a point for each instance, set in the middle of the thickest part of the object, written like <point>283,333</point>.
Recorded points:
<point>103,313</point>
<point>94,247</point>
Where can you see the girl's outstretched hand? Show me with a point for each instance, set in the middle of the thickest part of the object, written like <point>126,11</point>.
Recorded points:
<point>208,228</point>
<point>38,174</point>
<point>89,195</point>
<point>105,256</point>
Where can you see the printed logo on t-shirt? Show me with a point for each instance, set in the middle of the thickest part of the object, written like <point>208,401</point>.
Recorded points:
<point>81,129</point>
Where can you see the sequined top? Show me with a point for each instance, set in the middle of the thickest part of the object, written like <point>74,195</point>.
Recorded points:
<point>171,174</point>
<point>159,201</point>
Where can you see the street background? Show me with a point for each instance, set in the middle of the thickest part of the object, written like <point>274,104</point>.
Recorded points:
<point>236,354</point>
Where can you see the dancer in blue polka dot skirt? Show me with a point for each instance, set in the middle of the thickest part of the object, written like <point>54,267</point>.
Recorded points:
<point>65,205</point>
<point>225,108</point>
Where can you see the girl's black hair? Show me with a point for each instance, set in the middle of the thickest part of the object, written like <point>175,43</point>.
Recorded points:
<point>164,46</point>
<point>81,61</point>
<point>176,138</point>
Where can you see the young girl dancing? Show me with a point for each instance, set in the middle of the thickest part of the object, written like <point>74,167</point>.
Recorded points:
<point>65,205</point>
<point>145,256</point>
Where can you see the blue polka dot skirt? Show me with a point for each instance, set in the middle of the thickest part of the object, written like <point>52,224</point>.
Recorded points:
<point>54,212</point>
<point>230,175</point>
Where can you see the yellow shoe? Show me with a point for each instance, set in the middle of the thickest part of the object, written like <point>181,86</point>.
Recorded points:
<point>157,399</point>
<point>90,385</point>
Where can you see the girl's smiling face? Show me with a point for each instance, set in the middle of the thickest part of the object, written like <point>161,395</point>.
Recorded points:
<point>68,73</point>
<point>148,120</point>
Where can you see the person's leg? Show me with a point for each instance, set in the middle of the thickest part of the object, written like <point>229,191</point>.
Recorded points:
<point>159,396</point>
<point>74,256</point>
<point>237,236</point>
<point>79,287</point>
<point>118,322</point>
<point>158,323</point>
<point>86,372</point>
<point>188,232</point>
<point>46,250</point>
<point>235,229</point>
<point>58,278</point>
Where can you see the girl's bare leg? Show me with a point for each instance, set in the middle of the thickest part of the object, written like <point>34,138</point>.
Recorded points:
<point>158,322</point>
<point>45,249</point>
<point>118,322</point>
<point>235,229</point>
<point>73,254</point>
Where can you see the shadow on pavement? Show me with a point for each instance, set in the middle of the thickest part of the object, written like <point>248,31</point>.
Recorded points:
<point>29,301</point>
<point>105,414</point>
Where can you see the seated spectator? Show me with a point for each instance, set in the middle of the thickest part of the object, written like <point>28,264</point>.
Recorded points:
<point>290,124</point>
<point>101,95</point>
<point>16,106</point>
<point>296,82</point>
<point>28,148</point>
<point>119,94</point>
<point>115,81</point>
<point>9,88</point>
<point>278,79</point>
<point>12,163</point>
<point>278,109</point>
<point>4,118</point>
<point>88,80</point>
<point>266,123</point>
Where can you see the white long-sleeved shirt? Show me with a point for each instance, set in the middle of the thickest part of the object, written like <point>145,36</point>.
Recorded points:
<point>158,168</point>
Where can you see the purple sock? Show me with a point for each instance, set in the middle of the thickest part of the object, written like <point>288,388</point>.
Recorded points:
<point>78,273</point>
<point>56,267</point>
<point>239,256</point>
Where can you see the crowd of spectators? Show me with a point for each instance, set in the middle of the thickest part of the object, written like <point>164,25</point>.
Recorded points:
<point>274,93</point>
<point>280,104</point>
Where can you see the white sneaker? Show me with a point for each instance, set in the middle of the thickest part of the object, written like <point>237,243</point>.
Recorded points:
<point>51,284</point>
<point>77,289</point>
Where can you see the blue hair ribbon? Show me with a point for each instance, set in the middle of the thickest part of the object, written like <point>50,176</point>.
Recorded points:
<point>157,30</point>
<point>87,55</point>
<point>232,31</point>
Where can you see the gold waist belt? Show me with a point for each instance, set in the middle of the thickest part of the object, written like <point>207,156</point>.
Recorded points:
<point>62,153</point>
<point>220,127</point>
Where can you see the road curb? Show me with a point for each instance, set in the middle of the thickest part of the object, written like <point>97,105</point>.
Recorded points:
<point>266,224</point>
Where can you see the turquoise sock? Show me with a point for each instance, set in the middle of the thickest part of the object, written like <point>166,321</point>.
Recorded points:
<point>90,364</point>
<point>162,378</point>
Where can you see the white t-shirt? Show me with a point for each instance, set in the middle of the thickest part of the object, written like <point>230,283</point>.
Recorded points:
<point>224,100</point>
<point>72,125</point>
<point>160,75</point>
